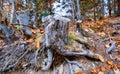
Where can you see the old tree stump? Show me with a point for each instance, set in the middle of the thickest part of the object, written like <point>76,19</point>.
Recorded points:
<point>56,33</point>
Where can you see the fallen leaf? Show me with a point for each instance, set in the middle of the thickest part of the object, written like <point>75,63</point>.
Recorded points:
<point>115,66</point>
<point>100,72</point>
<point>16,42</point>
<point>109,67</point>
<point>94,70</point>
<point>32,30</point>
<point>107,46</point>
<point>35,31</point>
<point>110,63</point>
<point>101,58</point>
<point>77,72</point>
<point>116,57</point>
<point>42,31</point>
<point>103,68</point>
<point>37,44</point>
<point>102,34</point>
<point>30,40</point>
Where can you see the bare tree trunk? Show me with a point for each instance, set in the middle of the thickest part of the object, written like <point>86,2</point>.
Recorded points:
<point>109,8</point>
<point>78,23</point>
<point>78,10</point>
<point>74,11</point>
<point>24,2</point>
<point>12,12</point>
<point>102,5</point>
<point>94,10</point>
<point>118,11</point>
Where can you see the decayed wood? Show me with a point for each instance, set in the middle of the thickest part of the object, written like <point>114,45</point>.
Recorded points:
<point>56,36</point>
<point>57,41</point>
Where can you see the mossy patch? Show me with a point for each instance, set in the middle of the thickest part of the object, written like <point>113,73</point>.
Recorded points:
<point>70,38</point>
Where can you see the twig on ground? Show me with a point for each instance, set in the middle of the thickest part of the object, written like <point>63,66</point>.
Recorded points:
<point>6,68</point>
<point>37,51</point>
<point>11,51</point>
<point>111,47</point>
<point>36,54</point>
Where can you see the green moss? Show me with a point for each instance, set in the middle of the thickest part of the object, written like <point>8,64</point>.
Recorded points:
<point>19,27</point>
<point>70,38</point>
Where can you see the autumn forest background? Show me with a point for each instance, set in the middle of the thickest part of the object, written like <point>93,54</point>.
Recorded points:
<point>59,36</point>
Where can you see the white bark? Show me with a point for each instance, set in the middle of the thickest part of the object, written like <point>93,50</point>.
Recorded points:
<point>24,2</point>
<point>78,10</point>
<point>12,12</point>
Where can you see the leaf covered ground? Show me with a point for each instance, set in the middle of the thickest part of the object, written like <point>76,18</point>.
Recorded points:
<point>100,35</point>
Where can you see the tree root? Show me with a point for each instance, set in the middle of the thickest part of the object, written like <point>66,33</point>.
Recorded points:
<point>49,60</point>
<point>81,53</point>
<point>71,53</point>
<point>70,65</point>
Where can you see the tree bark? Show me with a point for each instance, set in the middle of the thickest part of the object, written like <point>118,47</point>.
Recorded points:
<point>12,12</point>
<point>118,11</point>
<point>109,8</point>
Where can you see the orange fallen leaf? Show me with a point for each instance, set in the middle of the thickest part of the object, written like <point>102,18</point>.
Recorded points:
<point>77,72</point>
<point>109,67</point>
<point>37,44</point>
<point>116,57</point>
<point>101,58</point>
<point>33,31</point>
<point>30,40</point>
<point>103,68</point>
<point>110,63</point>
<point>115,66</point>
<point>42,31</point>
<point>37,30</point>
<point>94,70</point>
<point>16,42</point>
<point>117,39</point>
<point>118,65</point>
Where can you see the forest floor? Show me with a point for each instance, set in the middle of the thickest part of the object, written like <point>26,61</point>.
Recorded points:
<point>100,34</point>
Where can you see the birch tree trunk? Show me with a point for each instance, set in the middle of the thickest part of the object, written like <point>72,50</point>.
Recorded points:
<point>118,11</point>
<point>12,12</point>
<point>78,10</point>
